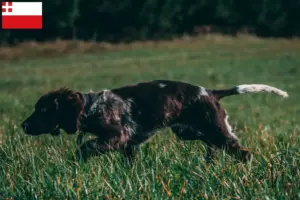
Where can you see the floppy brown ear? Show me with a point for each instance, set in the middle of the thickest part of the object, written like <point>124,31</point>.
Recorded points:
<point>70,108</point>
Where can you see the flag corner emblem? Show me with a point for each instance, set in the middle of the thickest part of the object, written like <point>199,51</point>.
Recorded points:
<point>22,15</point>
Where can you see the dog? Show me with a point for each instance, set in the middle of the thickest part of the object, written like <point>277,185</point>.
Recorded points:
<point>125,117</point>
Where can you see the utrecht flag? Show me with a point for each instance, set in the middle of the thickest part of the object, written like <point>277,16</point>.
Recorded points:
<point>22,15</point>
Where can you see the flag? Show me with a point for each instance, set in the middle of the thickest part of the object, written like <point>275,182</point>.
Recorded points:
<point>22,15</point>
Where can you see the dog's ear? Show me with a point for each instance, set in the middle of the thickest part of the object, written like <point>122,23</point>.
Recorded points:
<point>70,108</point>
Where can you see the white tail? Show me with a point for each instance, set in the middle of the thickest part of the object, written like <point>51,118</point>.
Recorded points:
<point>260,88</point>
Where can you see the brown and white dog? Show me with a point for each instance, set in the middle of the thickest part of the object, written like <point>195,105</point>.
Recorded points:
<point>125,117</point>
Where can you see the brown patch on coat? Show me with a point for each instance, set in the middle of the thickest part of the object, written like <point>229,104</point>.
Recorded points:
<point>172,109</point>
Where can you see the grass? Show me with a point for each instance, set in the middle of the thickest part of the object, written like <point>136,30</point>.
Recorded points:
<point>42,168</point>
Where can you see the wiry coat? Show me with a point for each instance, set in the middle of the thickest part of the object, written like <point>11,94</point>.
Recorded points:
<point>125,117</point>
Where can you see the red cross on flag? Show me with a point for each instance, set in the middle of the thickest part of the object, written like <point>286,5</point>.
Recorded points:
<point>22,15</point>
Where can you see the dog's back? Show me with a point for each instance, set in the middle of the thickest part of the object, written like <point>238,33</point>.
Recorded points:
<point>157,103</point>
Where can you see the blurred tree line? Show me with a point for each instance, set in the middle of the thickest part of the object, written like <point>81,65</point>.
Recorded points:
<point>114,20</point>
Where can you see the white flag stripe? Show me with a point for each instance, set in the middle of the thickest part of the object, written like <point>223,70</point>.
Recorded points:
<point>24,8</point>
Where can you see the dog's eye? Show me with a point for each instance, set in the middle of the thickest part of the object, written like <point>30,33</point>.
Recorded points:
<point>44,110</point>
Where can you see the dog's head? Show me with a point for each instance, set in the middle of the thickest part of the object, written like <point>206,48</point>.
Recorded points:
<point>57,109</point>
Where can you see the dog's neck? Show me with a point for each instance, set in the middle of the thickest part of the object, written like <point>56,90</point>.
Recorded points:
<point>87,101</point>
<point>89,98</point>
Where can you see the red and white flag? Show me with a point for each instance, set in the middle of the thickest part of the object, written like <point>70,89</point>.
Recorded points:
<point>22,15</point>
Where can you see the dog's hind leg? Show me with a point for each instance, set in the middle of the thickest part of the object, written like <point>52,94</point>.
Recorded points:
<point>212,128</point>
<point>187,132</point>
<point>233,145</point>
<point>220,135</point>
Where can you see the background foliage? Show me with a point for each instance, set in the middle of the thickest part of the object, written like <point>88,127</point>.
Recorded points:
<point>111,20</point>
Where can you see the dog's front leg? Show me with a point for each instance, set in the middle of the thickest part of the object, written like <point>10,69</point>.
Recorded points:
<point>80,138</point>
<point>129,154</point>
<point>92,147</point>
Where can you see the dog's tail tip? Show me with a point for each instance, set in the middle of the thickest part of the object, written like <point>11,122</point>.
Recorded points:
<point>260,88</point>
<point>284,94</point>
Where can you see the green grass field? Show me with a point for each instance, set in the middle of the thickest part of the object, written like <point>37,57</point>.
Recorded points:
<point>42,168</point>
